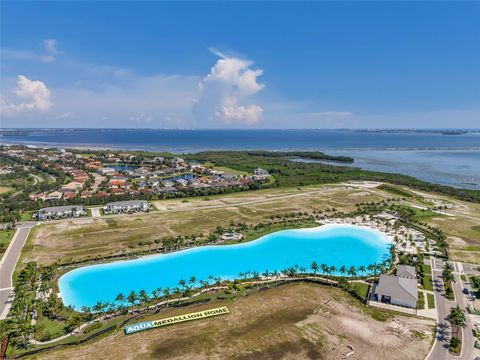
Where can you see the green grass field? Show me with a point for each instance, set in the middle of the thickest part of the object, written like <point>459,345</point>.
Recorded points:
<point>360,289</point>
<point>431,301</point>
<point>421,300</point>
<point>49,329</point>
<point>427,283</point>
<point>5,237</point>
<point>26,215</point>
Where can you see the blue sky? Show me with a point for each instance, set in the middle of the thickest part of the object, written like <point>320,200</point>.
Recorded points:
<point>237,65</point>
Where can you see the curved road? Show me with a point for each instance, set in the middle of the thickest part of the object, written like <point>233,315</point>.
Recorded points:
<point>7,266</point>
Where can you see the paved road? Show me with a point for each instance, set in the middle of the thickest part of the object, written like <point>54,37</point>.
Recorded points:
<point>440,348</point>
<point>37,179</point>
<point>468,339</point>
<point>7,266</point>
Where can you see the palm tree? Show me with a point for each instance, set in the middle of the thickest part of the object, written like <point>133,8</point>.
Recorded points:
<point>183,284</point>
<point>166,293</point>
<point>143,295</point>
<point>132,298</point>
<point>87,310</point>
<point>177,291</point>
<point>343,270</point>
<point>362,269</point>
<point>98,307</point>
<point>314,267</point>
<point>332,269</point>
<point>192,281</point>
<point>120,298</point>
<point>352,271</point>
<point>457,317</point>
<point>156,294</point>
<point>25,330</point>
<point>275,274</point>
<point>324,268</point>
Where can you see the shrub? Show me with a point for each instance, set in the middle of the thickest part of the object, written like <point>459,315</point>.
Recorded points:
<point>92,327</point>
<point>455,344</point>
<point>475,281</point>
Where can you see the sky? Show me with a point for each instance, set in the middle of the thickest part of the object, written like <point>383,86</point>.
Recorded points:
<point>240,64</point>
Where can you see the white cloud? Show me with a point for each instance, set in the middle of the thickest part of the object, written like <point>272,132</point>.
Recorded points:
<point>142,118</point>
<point>331,114</point>
<point>104,95</point>
<point>66,115</point>
<point>35,93</point>
<point>224,91</point>
<point>250,113</point>
<point>50,46</point>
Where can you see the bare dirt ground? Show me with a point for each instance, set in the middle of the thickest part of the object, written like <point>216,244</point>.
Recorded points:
<point>109,235</point>
<point>295,321</point>
<point>112,235</point>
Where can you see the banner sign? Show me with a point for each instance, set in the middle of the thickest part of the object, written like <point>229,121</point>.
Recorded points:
<point>131,329</point>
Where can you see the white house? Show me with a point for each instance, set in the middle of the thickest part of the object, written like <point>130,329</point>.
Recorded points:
<point>127,206</point>
<point>60,212</point>
<point>400,289</point>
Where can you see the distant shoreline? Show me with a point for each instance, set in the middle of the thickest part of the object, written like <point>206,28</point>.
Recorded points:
<point>426,154</point>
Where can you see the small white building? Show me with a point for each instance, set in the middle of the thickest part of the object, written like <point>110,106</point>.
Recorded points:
<point>400,289</point>
<point>60,212</point>
<point>127,206</point>
<point>232,236</point>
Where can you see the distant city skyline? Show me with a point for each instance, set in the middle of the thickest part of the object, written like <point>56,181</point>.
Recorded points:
<point>262,65</point>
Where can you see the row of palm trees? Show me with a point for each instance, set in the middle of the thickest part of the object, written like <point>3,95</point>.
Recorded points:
<point>352,271</point>
<point>448,279</point>
<point>185,287</point>
<point>458,321</point>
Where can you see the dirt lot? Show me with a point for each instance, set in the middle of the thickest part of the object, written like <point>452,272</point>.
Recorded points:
<point>112,235</point>
<point>108,235</point>
<point>296,321</point>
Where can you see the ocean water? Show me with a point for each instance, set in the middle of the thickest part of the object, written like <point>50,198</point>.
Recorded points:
<point>445,159</point>
<point>329,244</point>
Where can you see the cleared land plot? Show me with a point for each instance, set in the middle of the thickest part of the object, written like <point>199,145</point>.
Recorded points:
<point>296,321</point>
<point>463,235</point>
<point>112,235</point>
<point>109,235</point>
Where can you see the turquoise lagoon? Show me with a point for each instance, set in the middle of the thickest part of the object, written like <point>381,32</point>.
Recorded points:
<point>329,244</point>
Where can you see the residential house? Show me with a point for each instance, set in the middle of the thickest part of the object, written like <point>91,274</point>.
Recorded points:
<point>60,212</point>
<point>54,195</point>
<point>398,290</point>
<point>127,206</point>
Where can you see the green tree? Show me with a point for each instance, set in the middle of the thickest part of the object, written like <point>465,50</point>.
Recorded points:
<point>352,271</point>
<point>457,317</point>
<point>132,298</point>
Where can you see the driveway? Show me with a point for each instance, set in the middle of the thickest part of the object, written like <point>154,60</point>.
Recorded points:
<point>96,212</point>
